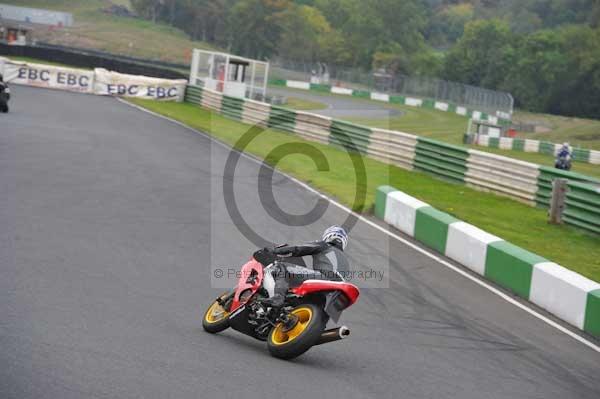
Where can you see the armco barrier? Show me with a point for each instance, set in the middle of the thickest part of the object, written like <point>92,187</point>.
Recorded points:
<point>566,294</point>
<point>394,99</point>
<point>490,172</point>
<point>583,206</point>
<point>523,181</point>
<point>393,147</point>
<point>282,119</point>
<point>193,94</point>
<point>232,107</point>
<point>350,136</point>
<point>313,127</point>
<point>527,145</point>
<point>443,160</point>
<point>547,175</point>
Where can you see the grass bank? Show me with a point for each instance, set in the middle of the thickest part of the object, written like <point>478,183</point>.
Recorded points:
<point>95,29</point>
<point>450,128</point>
<point>513,221</point>
<point>579,132</point>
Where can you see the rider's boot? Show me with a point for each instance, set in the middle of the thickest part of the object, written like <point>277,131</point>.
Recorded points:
<point>276,301</point>
<point>281,287</point>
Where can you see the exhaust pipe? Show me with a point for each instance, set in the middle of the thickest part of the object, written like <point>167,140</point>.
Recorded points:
<point>335,334</point>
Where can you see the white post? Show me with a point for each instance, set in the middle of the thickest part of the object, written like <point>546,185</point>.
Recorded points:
<point>265,82</point>
<point>194,66</point>
<point>253,75</point>
<point>557,202</point>
<point>226,73</point>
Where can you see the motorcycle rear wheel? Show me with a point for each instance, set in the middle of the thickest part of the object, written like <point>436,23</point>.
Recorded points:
<point>216,318</point>
<point>288,342</point>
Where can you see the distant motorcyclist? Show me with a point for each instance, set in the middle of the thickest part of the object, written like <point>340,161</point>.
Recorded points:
<point>4,95</point>
<point>328,260</point>
<point>563,158</point>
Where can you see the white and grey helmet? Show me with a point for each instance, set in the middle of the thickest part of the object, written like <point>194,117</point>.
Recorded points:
<point>336,234</point>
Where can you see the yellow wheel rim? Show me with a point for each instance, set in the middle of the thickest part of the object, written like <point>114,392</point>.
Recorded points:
<point>215,313</point>
<point>280,336</point>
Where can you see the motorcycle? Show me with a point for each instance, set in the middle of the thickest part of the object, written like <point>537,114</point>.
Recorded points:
<point>563,163</point>
<point>4,97</point>
<point>292,329</point>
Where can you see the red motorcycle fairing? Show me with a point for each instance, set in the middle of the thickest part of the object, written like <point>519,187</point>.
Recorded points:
<point>312,286</point>
<point>250,281</point>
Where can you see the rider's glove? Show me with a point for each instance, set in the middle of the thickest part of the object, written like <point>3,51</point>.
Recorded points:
<point>265,256</point>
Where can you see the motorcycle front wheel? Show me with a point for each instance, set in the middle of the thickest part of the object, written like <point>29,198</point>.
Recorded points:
<point>287,341</point>
<point>216,318</point>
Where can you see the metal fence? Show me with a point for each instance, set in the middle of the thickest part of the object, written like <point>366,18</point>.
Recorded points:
<point>486,100</point>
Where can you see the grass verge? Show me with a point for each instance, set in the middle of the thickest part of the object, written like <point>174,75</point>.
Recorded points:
<point>511,220</point>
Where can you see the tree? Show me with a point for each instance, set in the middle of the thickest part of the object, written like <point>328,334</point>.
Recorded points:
<point>304,34</point>
<point>483,55</point>
<point>539,68</point>
<point>147,8</point>
<point>256,26</point>
<point>447,24</point>
<point>578,90</point>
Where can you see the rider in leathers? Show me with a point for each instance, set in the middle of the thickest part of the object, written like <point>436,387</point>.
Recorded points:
<point>4,95</point>
<point>329,262</point>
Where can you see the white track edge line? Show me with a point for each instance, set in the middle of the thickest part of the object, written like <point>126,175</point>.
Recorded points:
<point>431,255</point>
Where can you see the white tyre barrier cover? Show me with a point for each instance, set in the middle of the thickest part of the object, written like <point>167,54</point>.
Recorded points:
<point>461,111</point>
<point>505,143</point>
<point>441,106</point>
<point>341,90</point>
<point>380,97</point>
<point>414,102</point>
<point>483,140</point>
<point>561,291</point>
<point>401,211</point>
<point>468,245</point>
<point>118,84</point>
<point>532,145</point>
<point>294,84</point>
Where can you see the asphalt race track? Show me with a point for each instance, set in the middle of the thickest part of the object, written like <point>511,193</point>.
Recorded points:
<point>339,106</point>
<point>110,219</point>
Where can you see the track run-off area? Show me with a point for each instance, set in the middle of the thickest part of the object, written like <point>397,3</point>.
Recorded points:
<point>110,221</point>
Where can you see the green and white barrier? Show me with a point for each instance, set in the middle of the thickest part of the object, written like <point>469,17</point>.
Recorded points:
<point>582,206</point>
<point>410,101</point>
<point>547,175</point>
<point>566,294</point>
<point>527,145</point>
<point>523,181</point>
